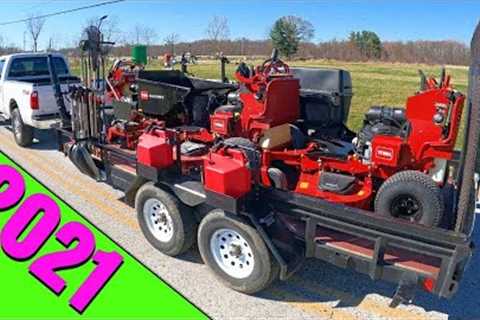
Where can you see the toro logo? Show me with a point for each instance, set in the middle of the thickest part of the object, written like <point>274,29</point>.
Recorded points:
<point>218,124</point>
<point>144,95</point>
<point>384,153</point>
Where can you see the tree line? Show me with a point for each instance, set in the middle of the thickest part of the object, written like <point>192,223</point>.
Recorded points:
<point>291,35</point>
<point>428,52</point>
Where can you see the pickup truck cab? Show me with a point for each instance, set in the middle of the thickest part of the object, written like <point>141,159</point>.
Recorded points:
<point>26,93</point>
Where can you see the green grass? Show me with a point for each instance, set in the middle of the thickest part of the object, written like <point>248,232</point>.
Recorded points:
<point>373,83</point>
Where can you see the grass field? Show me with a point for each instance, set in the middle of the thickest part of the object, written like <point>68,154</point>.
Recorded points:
<point>373,83</point>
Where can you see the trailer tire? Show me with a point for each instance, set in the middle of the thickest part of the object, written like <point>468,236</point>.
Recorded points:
<point>166,223</point>
<point>251,268</point>
<point>22,133</point>
<point>411,195</point>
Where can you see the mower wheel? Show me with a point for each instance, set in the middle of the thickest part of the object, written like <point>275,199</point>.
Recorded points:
<point>413,196</point>
<point>167,223</point>
<point>235,252</point>
<point>22,133</point>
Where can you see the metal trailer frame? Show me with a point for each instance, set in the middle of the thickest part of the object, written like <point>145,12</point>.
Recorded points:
<point>450,249</point>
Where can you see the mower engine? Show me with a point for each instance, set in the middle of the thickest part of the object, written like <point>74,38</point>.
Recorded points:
<point>379,120</point>
<point>420,137</point>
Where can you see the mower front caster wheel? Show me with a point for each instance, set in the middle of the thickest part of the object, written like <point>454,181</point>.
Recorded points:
<point>166,223</point>
<point>235,252</point>
<point>413,196</point>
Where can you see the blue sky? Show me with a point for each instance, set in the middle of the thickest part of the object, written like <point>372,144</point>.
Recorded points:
<point>391,20</point>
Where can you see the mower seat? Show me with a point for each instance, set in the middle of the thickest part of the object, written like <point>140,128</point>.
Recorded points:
<point>229,108</point>
<point>329,147</point>
<point>189,129</point>
<point>334,148</point>
<point>189,148</point>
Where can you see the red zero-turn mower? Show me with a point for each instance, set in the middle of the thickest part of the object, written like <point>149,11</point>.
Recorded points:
<point>397,164</point>
<point>265,173</point>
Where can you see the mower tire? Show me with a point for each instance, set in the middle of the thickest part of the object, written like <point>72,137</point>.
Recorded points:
<point>22,133</point>
<point>166,223</point>
<point>235,252</point>
<point>413,196</point>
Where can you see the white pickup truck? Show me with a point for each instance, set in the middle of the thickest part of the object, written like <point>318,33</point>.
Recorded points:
<point>26,92</point>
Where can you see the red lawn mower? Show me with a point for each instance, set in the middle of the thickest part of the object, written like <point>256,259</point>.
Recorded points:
<point>396,165</point>
<point>265,173</point>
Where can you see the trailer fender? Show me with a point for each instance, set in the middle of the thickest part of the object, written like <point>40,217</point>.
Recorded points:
<point>190,193</point>
<point>82,159</point>
<point>131,192</point>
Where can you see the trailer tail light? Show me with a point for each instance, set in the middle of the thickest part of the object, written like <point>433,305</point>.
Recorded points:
<point>34,105</point>
<point>144,95</point>
<point>429,284</point>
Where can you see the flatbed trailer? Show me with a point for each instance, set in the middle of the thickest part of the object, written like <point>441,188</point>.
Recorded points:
<point>286,227</point>
<point>410,255</point>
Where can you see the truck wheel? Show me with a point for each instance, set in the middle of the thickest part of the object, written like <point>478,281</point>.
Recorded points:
<point>413,196</point>
<point>167,223</point>
<point>22,133</point>
<point>236,253</point>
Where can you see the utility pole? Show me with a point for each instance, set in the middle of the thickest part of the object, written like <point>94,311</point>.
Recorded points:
<point>24,40</point>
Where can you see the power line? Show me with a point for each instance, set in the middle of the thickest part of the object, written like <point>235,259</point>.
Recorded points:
<point>61,12</point>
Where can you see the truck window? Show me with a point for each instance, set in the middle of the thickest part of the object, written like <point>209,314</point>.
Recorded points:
<point>2,64</point>
<point>35,66</point>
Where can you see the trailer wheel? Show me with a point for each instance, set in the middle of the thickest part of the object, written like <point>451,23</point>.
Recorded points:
<point>235,252</point>
<point>22,133</point>
<point>167,223</point>
<point>413,196</point>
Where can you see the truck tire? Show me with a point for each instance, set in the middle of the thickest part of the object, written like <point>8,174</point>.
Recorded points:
<point>413,196</point>
<point>236,253</point>
<point>166,223</point>
<point>22,133</point>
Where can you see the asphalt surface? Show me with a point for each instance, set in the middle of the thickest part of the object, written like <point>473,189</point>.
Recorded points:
<point>317,291</point>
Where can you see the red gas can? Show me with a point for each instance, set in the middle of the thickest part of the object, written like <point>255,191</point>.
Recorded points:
<point>155,149</point>
<point>227,174</point>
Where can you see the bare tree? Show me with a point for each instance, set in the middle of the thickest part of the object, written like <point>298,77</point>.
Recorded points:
<point>218,29</point>
<point>3,45</point>
<point>34,27</point>
<point>50,45</point>
<point>143,34</point>
<point>170,41</point>
<point>149,35</point>
<point>136,33</point>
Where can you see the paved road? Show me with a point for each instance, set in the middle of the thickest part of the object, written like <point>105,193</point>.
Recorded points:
<point>318,291</point>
